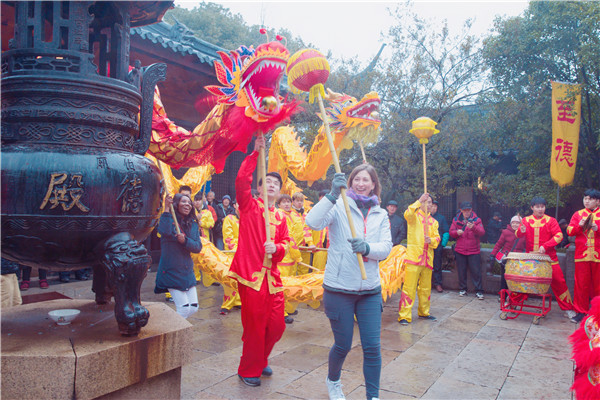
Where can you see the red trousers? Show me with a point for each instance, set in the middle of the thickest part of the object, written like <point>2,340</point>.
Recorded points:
<point>587,284</point>
<point>263,323</point>
<point>560,289</point>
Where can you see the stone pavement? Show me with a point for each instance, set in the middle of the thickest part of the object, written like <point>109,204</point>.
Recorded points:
<point>469,353</point>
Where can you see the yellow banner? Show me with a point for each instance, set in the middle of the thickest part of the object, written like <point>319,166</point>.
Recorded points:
<point>566,119</point>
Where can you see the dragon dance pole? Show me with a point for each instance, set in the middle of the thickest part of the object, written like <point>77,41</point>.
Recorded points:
<point>424,128</point>
<point>307,70</point>
<point>262,173</point>
<point>172,209</point>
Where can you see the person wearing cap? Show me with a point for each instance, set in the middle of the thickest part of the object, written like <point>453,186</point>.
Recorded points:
<point>443,230</point>
<point>494,227</point>
<point>396,223</point>
<point>507,243</point>
<point>468,230</point>
<point>423,238</point>
<point>584,226</point>
<point>223,209</point>
<point>542,234</point>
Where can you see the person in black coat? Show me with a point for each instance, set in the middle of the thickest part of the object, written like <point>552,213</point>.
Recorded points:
<point>176,269</point>
<point>494,228</point>
<point>222,209</point>
<point>396,223</point>
<point>443,230</point>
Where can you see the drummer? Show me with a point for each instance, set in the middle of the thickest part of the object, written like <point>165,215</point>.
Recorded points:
<point>542,234</point>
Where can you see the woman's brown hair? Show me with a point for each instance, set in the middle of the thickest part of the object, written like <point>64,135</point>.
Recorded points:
<point>372,173</point>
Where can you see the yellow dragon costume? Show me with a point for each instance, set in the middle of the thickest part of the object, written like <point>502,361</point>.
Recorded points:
<point>249,102</point>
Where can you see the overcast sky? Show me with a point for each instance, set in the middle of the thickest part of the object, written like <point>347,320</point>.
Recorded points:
<point>351,29</point>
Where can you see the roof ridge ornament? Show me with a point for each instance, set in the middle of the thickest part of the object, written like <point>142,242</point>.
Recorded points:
<point>180,32</point>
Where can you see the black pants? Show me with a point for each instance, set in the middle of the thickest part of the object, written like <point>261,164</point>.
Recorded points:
<point>27,273</point>
<point>437,265</point>
<point>473,263</point>
<point>503,284</point>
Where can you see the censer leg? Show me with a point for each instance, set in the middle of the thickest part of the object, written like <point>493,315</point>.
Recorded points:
<point>100,285</point>
<point>126,263</point>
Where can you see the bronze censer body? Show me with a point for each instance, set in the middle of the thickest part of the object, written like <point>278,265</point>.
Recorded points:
<point>77,190</point>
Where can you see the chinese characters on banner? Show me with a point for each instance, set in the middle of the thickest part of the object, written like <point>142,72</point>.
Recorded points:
<point>566,119</point>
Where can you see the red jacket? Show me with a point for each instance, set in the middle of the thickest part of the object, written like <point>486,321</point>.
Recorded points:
<point>587,245</point>
<point>467,243</point>
<point>247,265</point>
<point>541,232</point>
<point>506,242</point>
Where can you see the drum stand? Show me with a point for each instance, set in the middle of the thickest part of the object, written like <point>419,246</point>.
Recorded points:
<point>513,303</point>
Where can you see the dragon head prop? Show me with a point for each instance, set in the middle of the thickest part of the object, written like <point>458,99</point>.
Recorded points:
<point>251,79</point>
<point>360,118</point>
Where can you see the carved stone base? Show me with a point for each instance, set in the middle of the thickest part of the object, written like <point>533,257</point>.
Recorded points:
<point>88,358</point>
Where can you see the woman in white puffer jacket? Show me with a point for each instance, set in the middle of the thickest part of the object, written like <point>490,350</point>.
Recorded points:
<point>346,294</point>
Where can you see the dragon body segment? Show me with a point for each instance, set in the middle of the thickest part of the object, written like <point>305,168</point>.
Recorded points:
<point>349,120</point>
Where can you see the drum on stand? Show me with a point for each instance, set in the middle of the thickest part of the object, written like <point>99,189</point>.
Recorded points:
<point>528,272</point>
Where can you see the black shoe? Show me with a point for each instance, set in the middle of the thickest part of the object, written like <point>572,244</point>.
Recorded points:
<point>169,299</point>
<point>267,371</point>
<point>250,381</point>
<point>404,322</point>
<point>237,307</point>
<point>428,317</point>
<point>65,279</point>
<point>578,317</point>
<point>218,284</point>
<point>224,311</point>
<point>288,319</point>
<point>293,313</point>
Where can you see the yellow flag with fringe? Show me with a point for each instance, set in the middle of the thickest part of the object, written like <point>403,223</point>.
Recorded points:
<point>566,120</point>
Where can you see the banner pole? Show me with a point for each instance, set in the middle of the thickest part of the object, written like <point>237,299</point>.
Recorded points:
<point>557,200</point>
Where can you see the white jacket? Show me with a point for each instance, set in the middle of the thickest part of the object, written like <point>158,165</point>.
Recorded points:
<point>342,270</point>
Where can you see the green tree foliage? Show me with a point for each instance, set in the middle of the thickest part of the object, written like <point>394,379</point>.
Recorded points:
<point>557,41</point>
<point>436,74</point>
<point>216,24</point>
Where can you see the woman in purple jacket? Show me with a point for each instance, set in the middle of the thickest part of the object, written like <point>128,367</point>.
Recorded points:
<point>467,229</point>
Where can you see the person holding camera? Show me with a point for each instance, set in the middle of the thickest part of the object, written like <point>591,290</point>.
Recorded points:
<point>468,230</point>
<point>507,243</point>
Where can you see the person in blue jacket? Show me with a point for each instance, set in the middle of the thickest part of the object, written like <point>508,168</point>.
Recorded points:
<point>175,268</point>
<point>345,293</point>
<point>443,229</point>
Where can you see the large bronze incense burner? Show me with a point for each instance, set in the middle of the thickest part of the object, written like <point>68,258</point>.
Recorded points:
<point>77,190</point>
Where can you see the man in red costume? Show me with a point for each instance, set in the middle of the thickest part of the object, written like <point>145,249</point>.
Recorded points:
<point>542,234</point>
<point>584,226</point>
<point>259,281</point>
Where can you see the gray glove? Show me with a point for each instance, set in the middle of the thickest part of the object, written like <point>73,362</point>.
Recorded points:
<point>339,182</point>
<point>359,246</point>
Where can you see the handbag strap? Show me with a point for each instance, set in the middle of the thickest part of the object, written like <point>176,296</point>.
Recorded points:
<point>515,245</point>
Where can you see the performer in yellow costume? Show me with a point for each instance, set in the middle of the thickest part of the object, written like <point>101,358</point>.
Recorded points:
<point>422,237</point>
<point>307,241</point>
<point>290,264</point>
<point>207,220</point>
<point>231,230</point>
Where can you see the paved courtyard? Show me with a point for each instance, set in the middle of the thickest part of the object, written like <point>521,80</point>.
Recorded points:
<point>469,353</point>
